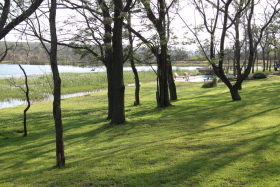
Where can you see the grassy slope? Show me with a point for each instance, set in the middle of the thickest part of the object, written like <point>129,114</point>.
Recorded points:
<point>203,139</point>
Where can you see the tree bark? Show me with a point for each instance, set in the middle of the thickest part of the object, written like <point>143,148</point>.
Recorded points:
<point>171,82</point>
<point>267,59</point>
<point>162,95</point>
<point>234,93</point>
<point>270,62</point>
<point>60,158</point>
<point>110,94</point>
<point>263,57</point>
<point>162,92</point>
<point>137,83</point>
<point>132,63</point>
<point>118,115</point>
<point>108,56</point>
<point>237,49</point>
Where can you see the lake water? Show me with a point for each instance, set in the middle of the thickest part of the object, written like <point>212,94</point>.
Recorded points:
<point>9,70</point>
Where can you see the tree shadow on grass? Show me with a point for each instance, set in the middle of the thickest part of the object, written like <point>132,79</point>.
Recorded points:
<point>196,171</point>
<point>200,169</point>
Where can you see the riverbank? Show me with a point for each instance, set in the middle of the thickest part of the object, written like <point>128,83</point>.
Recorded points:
<point>41,84</point>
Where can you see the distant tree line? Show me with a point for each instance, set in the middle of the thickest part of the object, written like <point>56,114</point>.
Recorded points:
<point>34,53</point>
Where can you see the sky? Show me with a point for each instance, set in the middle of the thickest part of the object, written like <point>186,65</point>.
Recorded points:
<point>189,15</point>
<point>177,24</point>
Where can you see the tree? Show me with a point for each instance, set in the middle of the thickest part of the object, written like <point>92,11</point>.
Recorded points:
<point>269,45</point>
<point>132,62</point>
<point>101,36</point>
<point>35,24</point>
<point>118,116</point>
<point>51,50</point>
<point>9,19</point>
<point>28,102</point>
<point>164,72</point>
<point>161,24</point>
<point>13,14</point>
<point>274,28</point>
<point>237,43</point>
<point>178,53</point>
<point>225,12</point>
<point>26,92</point>
<point>60,158</point>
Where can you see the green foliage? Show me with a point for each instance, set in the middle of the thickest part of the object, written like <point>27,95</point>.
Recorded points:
<point>178,54</point>
<point>259,75</point>
<point>211,84</point>
<point>201,140</point>
<point>204,73</point>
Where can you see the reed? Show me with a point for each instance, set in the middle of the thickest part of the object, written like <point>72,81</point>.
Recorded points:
<point>41,85</point>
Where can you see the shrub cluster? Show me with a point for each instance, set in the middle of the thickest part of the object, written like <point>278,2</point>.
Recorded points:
<point>210,84</point>
<point>259,75</point>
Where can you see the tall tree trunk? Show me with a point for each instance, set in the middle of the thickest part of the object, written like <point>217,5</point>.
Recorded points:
<point>267,60</point>
<point>263,57</point>
<point>162,92</point>
<point>234,65</point>
<point>108,56</point>
<point>234,93</point>
<point>159,23</point>
<point>28,102</point>
<point>163,61</point>
<point>171,82</point>
<point>110,81</point>
<point>135,72</point>
<point>257,60</point>
<point>253,67</point>
<point>137,83</point>
<point>118,115</point>
<point>237,51</point>
<point>275,63</point>
<point>60,158</point>
<point>270,61</point>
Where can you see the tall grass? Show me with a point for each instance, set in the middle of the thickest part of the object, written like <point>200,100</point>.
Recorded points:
<point>41,85</point>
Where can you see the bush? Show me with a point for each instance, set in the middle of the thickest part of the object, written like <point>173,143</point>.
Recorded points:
<point>211,84</point>
<point>204,73</point>
<point>259,75</point>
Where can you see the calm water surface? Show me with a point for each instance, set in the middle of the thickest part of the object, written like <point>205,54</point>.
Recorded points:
<point>8,70</point>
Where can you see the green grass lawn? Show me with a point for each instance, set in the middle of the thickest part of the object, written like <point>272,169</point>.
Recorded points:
<point>203,139</point>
